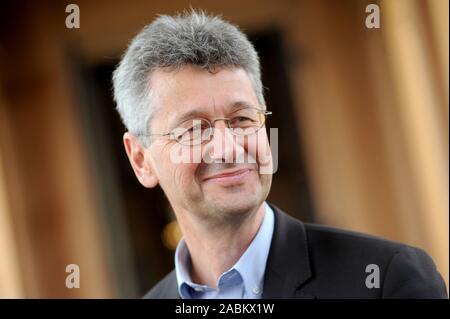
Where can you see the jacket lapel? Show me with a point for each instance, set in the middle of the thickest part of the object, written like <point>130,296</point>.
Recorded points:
<point>288,266</point>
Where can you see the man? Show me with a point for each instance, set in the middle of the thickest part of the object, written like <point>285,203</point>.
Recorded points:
<point>189,91</point>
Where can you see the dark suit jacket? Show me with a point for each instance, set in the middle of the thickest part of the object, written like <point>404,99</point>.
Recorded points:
<point>312,261</point>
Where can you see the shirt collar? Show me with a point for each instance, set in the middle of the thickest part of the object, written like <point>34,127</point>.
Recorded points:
<point>251,266</point>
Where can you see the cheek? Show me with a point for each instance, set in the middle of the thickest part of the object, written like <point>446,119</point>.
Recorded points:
<point>173,174</point>
<point>184,176</point>
<point>258,148</point>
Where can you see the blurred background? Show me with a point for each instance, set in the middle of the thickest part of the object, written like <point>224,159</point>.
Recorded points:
<point>362,117</point>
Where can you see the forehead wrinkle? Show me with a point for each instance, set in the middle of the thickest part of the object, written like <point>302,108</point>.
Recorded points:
<point>211,88</point>
<point>211,93</point>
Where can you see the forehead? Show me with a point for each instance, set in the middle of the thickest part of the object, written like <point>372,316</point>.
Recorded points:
<point>191,88</point>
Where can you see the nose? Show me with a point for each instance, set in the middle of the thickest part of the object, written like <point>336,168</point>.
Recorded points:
<point>222,148</point>
<point>221,123</point>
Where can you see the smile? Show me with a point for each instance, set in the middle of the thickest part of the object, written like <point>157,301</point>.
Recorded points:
<point>230,177</point>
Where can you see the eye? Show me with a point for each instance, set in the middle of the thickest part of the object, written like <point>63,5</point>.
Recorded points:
<point>192,128</point>
<point>198,126</point>
<point>241,121</point>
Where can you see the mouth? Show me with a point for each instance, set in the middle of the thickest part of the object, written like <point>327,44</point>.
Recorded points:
<point>231,177</point>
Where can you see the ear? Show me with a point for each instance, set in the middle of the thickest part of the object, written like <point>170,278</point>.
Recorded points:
<point>141,165</point>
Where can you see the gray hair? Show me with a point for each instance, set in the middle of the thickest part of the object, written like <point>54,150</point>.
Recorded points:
<point>172,42</point>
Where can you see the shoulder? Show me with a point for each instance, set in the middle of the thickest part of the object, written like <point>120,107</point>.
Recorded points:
<point>166,288</point>
<point>405,271</point>
<point>331,242</point>
<point>341,261</point>
<point>338,241</point>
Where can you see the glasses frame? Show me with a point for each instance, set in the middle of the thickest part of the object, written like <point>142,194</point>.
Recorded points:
<point>212,123</point>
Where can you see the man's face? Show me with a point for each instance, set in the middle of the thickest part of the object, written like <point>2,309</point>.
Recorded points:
<point>219,189</point>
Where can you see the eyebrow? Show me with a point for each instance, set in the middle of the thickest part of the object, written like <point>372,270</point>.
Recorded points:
<point>194,113</point>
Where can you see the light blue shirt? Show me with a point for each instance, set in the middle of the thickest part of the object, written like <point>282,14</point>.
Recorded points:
<point>242,281</point>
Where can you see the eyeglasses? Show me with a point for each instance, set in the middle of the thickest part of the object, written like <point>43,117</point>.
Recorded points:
<point>243,122</point>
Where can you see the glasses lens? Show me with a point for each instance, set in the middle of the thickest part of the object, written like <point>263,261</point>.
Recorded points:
<point>247,121</point>
<point>193,132</point>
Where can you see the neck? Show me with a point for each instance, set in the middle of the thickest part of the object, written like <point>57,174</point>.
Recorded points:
<point>215,248</point>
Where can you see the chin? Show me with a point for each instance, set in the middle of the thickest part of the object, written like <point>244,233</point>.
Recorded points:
<point>234,204</point>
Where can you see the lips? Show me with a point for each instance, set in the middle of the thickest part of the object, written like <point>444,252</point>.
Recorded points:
<point>229,177</point>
